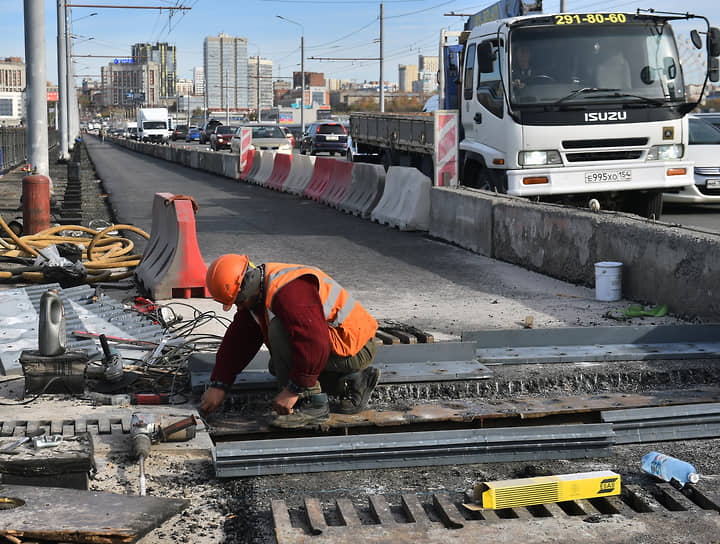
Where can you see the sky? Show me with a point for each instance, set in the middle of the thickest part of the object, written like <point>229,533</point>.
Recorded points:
<point>332,28</point>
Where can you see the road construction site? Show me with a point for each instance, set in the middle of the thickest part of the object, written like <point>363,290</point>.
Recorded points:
<point>490,371</point>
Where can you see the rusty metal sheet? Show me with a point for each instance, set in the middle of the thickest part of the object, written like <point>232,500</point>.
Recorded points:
<point>90,517</point>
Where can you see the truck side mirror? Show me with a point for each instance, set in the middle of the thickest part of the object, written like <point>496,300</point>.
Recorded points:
<point>714,42</point>
<point>714,69</point>
<point>485,57</point>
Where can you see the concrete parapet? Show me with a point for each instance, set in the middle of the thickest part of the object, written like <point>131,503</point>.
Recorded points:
<point>230,165</point>
<point>463,217</point>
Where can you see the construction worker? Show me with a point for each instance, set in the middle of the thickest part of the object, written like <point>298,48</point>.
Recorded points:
<point>321,340</point>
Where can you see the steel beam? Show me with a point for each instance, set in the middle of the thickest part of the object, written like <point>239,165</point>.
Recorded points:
<point>329,453</point>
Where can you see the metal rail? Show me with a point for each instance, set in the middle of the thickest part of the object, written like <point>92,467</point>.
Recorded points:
<point>664,423</point>
<point>327,453</point>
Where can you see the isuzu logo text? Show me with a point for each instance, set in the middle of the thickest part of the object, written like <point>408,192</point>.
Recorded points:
<point>600,116</point>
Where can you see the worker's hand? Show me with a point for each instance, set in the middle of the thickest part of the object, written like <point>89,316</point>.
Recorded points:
<point>211,399</point>
<point>284,402</point>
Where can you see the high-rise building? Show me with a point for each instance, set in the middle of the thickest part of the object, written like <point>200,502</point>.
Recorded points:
<point>131,84</point>
<point>12,74</point>
<point>198,80</point>
<point>226,72</point>
<point>406,75</point>
<point>165,57</point>
<point>184,87</point>
<point>427,64</point>
<point>312,79</point>
<point>263,77</point>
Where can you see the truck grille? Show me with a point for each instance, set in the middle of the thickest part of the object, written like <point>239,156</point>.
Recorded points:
<point>609,142</point>
<point>604,156</point>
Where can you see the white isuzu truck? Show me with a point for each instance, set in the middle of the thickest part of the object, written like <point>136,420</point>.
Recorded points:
<point>566,107</point>
<point>152,125</point>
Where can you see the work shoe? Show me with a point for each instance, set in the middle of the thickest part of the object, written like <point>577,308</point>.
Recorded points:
<point>360,386</point>
<point>306,413</point>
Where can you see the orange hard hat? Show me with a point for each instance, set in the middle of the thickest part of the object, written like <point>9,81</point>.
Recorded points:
<point>224,278</point>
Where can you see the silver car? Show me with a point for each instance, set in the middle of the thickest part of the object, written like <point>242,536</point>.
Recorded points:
<point>264,137</point>
<point>704,151</point>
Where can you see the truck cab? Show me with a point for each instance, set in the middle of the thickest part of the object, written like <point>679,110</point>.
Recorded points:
<point>575,105</point>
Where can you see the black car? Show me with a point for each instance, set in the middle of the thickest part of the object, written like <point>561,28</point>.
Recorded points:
<point>325,136</point>
<point>179,133</point>
<point>207,129</point>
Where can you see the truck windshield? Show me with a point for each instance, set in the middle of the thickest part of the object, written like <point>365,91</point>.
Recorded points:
<point>154,125</point>
<point>591,63</point>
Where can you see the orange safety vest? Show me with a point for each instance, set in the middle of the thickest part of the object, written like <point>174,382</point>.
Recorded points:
<point>350,326</point>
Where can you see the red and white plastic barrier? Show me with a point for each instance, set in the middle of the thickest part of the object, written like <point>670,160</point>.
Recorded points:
<point>340,180</point>
<point>172,266</point>
<point>320,179</point>
<point>266,168</point>
<point>301,172</point>
<point>248,165</point>
<point>280,172</point>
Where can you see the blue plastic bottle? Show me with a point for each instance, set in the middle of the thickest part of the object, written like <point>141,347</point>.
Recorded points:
<point>668,468</point>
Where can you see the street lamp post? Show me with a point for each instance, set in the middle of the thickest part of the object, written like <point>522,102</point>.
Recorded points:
<point>302,70</point>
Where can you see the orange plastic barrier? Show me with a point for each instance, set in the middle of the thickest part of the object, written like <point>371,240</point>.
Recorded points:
<point>172,266</point>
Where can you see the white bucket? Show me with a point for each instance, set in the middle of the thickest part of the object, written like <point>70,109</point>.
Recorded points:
<point>608,281</point>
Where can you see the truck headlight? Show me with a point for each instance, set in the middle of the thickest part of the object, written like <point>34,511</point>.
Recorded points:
<point>539,158</point>
<point>665,152</point>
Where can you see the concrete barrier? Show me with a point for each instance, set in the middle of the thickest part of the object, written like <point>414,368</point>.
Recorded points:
<point>172,265</point>
<point>662,264</point>
<point>230,165</point>
<point>366,188</point>
<point>301,173</point>
<point>339,184</point>
<point>320,179</point>
<point>266,168</point>
<point>464,217</point>
<point>213,163</point>
<point>405,202</point>
<point>280,172</point>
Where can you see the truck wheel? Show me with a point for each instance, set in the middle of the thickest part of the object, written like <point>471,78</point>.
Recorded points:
<point>648,204</point>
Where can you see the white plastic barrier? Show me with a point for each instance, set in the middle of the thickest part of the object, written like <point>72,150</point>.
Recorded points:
<point>257,161</point>
<point>405,202</point>
<point>366,188</point>
<point>266,168</point>
<point>230,165</point>
<point>301,172</point>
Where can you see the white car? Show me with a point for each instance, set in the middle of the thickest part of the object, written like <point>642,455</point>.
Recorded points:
<point>704,151</point>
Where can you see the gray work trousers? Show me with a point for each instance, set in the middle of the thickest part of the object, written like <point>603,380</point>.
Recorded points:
<point>332,378</point>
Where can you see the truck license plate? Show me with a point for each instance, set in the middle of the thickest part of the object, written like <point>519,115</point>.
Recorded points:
<point>606,176</point>
<point>712,183</point>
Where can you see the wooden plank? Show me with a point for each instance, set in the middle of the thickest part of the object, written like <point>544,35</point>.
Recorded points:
<point>68,430</point>
<point>281,517</point>
<point>80,426</point>
<point>414,510</point>
<point>617,504</point>
<point>386,338</point>
<point>56,426</point>
<point>405,338</point>
<point>104,425</point>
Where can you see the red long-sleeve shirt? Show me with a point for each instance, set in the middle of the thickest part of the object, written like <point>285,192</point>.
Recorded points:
<point>298,306</point>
